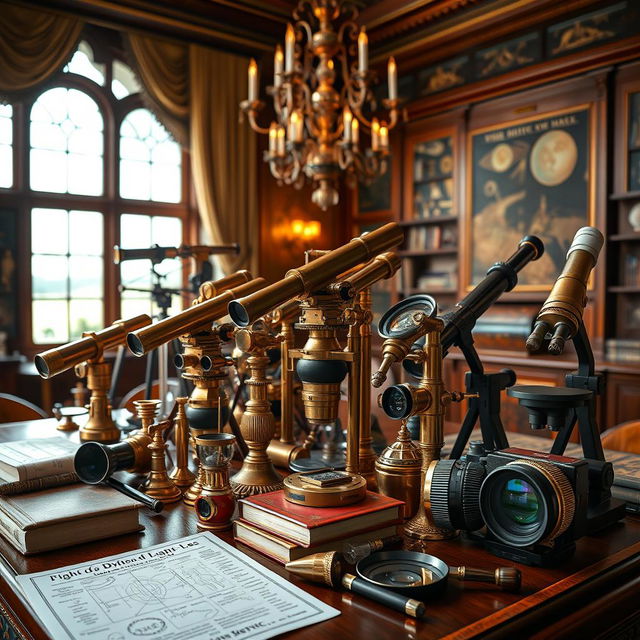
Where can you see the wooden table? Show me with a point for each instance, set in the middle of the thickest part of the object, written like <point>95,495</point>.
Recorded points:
<point>595,594</point>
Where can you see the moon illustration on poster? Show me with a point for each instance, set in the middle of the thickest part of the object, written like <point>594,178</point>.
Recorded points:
<point>501,157</point>
<point>553,157</point>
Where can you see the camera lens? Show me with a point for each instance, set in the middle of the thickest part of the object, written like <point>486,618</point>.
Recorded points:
<point>520,501</point>
<point>527,502</point>
<point>454,493</point>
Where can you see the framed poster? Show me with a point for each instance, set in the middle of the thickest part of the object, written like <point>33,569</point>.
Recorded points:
<point>376,196</point>
<point>530,176</point>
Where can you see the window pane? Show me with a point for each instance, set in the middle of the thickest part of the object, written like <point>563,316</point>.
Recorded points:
<point>136,273</point>
<point>85,276</point>
<point>85,315</point>
<point>83,64</point>
<point>6,126</point>
<point>166,231</point>
<point>49,231</point>
<point>135,180</point>
<point>50,321</point>
<point>85,233</point>
<point>131,307</point>
<point>85,174</point>
<point>64,124</point>
<point>135,231</point>
<point>6,166</point>
<point>150,160</point>
<point>124,81</point>
<point>49,276</point>
<point>48,170</point>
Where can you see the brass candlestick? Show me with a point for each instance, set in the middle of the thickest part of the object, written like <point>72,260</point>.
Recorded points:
<point>257,474</point>
<point>158,484</point>
<point>181,475</point>
<point>191,494</point>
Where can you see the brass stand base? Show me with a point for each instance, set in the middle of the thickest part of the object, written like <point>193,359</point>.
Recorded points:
<point>421,528</point>
<point>212,527</point>
<point>298,492</point>
<point>101,434</point>
<point>243,485</point>
<point>192,493</point>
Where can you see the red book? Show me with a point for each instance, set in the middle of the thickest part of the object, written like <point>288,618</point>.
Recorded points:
<point>312,525</point>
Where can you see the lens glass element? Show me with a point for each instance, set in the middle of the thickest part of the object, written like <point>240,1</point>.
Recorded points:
<point>519,501</point>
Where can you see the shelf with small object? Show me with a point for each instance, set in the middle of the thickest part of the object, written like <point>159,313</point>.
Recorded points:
<point>430,215</point>
<point>623,289</point>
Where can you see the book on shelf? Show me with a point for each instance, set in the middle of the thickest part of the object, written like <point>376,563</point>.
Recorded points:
<point>309,526</point>
<point>66,516</point>
<point>284,551</point>
<point>36,458</point>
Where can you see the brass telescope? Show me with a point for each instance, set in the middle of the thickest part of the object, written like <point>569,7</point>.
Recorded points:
<point>90,349</point>
<point>316,274</point>
<point>199,316</point>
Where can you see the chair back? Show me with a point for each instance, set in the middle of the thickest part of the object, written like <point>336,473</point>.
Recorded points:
<point>15,409</point>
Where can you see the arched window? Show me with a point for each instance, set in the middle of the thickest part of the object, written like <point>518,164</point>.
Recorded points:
<point>96,169</point>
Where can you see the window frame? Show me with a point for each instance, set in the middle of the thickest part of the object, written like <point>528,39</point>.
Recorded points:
<point>22,199</point>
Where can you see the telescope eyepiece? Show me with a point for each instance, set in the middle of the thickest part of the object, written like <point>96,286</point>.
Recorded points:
<point>135,345</point>
<point>41,366</point>
<point>537,244</point>
<point>239,314</point>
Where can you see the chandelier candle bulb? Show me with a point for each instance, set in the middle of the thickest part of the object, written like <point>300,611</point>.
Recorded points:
<point>278,67</point>
<point>295,127</point>
<point>363,46</point>
<point>347,117</point>
<point>280,142</point>
<point>375,135</point>
<point>273,135</point>
<point>253,81</point>
<point>289,47</point>
<point>392,77</point>
<point>355,131</point>
<point>384,137</point>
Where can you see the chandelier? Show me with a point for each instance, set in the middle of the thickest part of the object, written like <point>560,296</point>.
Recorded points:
<point>321,87</point>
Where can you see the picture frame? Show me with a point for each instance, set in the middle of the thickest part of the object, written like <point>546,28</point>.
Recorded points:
<point>531,175</point>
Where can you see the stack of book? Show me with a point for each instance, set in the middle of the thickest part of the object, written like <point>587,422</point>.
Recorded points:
<point>38,514</point>
<point>285,531</point>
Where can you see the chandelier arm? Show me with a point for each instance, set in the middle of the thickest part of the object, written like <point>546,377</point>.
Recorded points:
<point>299,11</point>
<point>353,28</point>
<point>304,25</point>
<point>251,114</point>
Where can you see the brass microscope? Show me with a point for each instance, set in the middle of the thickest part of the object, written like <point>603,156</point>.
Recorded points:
<point>87,356</point>
<point>331,303</point>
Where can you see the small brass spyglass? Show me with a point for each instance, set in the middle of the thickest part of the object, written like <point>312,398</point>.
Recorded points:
<point>87,356</point>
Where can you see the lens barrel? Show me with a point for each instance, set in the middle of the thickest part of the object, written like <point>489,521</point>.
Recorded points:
<point>95,462</point>
<point>454,494</point>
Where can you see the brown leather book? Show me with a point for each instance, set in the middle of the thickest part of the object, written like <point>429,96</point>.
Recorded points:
<point>66,516</point>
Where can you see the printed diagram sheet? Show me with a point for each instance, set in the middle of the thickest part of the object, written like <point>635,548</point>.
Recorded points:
<point>195,588</point>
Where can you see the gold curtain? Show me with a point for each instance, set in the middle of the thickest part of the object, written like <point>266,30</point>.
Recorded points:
<point>223,154</point>
<point>34,44</point>
<point>163,69</point>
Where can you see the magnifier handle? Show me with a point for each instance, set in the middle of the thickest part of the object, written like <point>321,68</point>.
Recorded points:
<point>507,578</point>
<point>391,599</point>
<point>147,501</point>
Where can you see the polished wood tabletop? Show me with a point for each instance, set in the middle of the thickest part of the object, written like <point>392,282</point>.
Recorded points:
<point>594,594</point>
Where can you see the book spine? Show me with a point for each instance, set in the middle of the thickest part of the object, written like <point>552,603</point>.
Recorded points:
<point>37,484</point>
<point>630,496</point>
<point>13,533</point>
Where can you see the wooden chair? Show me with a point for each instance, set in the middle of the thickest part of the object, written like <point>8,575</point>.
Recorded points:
<point>623,437</point>
<point>14,409</point>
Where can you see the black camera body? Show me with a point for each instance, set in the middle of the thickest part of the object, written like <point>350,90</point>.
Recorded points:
<point>534,505</point>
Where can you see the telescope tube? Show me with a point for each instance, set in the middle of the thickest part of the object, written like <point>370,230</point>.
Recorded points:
<point>316,274</point>
<point>59,359</point>
<point>501,277</point>
<point>187,321</point>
